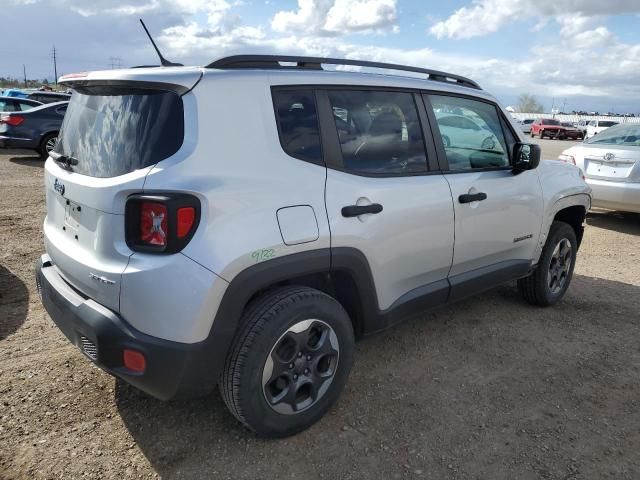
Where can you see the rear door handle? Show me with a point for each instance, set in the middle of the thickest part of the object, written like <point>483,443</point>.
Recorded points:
<point>472,197</point>
<point>355,210</point>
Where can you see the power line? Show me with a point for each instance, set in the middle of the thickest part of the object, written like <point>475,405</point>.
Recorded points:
<point>115,62</point>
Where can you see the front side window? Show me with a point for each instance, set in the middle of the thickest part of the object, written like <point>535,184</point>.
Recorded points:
<point>379,132</point>
<point>476,138</point>
<point>298,124</point>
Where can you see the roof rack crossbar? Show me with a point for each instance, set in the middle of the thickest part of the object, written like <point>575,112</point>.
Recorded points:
<point>315,63</point>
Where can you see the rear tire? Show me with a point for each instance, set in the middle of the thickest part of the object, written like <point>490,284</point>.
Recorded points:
<point>557,261</point>
<point>47,144</point>
<point>289,362</point>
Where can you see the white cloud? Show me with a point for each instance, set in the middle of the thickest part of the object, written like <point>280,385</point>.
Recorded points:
<point>487,16</point>
<point>336,17</point>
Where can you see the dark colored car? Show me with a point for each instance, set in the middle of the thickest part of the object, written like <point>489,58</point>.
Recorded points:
<point>571,131</point>
<point>11,104</point>
<point>35,129</point>
<point>49,97</point>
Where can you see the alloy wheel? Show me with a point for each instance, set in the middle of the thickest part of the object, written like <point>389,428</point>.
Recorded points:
<point>300,366</point>
<point>51,144</point>
<point>559,266</point>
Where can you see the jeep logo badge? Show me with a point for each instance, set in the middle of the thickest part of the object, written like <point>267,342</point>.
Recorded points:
<point>58,187</point>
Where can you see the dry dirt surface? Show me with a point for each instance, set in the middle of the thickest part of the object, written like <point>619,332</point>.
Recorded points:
<point>490,388</point>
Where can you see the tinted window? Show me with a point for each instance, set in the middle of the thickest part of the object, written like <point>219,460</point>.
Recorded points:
<point>607,123</point>
<point>624,135</point>
<point>26,106</point>
<point>298,124</point>
<point>113,131</point>
<point>379,132</point>
<point>484,146</point>
<point>7,106</point>
<point>547,121</point>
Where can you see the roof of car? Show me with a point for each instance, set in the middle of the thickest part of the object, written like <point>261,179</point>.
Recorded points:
<point>188,77</point>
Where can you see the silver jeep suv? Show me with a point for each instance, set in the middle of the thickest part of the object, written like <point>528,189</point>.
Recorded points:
<point>243,223</point>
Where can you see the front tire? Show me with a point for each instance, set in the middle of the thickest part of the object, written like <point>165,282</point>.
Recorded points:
<point>289,361</point>
<point>548,283</point>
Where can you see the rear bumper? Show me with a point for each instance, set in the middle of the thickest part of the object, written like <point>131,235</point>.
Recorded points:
<point>13,142</point>
<point>622,196</point>
<point>172,368</point>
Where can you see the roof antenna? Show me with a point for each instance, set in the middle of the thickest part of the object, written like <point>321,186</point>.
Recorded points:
<point>163,61</point>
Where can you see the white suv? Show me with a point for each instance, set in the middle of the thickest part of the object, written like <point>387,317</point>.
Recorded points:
<point>243,223</point>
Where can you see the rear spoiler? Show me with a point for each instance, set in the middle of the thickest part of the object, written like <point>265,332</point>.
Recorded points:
<point>179,80</point>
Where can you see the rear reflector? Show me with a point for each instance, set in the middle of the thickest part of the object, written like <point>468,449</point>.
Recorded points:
<point>153,224</point>
<point>134,361</point>
<point>13,120</point>
<point>186,217</point>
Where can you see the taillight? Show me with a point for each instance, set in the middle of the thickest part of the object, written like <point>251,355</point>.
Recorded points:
<point>186,217</point>
<point>13,120</point>
<point>153,223</point>
<point>162,223</point>
<point>563,157</point>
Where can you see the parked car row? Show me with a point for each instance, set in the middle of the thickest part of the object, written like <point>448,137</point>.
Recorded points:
<point>42,96</point>
<point>34,129</point>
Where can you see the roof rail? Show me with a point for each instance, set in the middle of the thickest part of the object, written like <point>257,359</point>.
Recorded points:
<point>315,63</point>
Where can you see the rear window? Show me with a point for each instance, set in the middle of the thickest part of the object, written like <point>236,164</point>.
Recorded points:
<point>606,123</point>
<point>112,131</point>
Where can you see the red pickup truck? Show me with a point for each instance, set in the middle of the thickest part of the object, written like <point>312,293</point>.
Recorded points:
<point>548,127</point>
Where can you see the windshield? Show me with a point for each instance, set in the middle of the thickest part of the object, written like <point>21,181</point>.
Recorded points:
<point>110,131</point>
<point>550,122</point>
<point>606,124</point>
<point>618,135</point>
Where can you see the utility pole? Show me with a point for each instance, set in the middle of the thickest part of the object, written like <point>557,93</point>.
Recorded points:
<point>55,65</point>
<point>24,70</point>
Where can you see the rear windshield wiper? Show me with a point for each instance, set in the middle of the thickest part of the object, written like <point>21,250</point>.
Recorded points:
<point>66,160</point>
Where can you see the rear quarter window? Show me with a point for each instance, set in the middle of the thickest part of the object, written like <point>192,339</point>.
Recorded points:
<point>297,120</point>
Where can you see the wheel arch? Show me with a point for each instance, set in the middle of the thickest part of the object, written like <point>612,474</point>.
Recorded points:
<point>342,273</point>
<point>571,209</point>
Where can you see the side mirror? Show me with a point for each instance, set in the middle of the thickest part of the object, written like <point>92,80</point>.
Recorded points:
<point>526,156</point>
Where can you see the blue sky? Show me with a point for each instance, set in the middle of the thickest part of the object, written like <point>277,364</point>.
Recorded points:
<point>581,53</point>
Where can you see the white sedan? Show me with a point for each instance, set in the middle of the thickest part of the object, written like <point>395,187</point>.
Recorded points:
<point>596,126</point>
<point>459,131</point>
<point>610,163</point>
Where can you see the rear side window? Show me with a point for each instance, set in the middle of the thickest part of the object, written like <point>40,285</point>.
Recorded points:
<point>298,124</point>
<point>379,132</point>
<point>477,140</point>
<point>111,131</point>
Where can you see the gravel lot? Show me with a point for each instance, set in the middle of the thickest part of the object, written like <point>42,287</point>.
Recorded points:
<point>489,388</point>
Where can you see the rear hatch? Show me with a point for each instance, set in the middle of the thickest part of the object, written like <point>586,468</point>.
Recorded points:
<point>113,132</point>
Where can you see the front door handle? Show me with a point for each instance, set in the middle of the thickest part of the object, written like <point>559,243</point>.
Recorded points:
<point>356,210</point>
<point>472,197</point>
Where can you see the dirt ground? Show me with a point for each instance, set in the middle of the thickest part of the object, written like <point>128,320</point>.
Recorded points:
<point>490,388</point>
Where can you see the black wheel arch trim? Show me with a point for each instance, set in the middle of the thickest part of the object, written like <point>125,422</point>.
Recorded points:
<point>352,262</point>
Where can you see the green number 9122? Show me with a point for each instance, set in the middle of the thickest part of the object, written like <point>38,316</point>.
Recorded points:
<point>264,254</point>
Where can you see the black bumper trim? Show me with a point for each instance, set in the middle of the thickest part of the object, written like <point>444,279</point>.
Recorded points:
<point>172,368</point>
